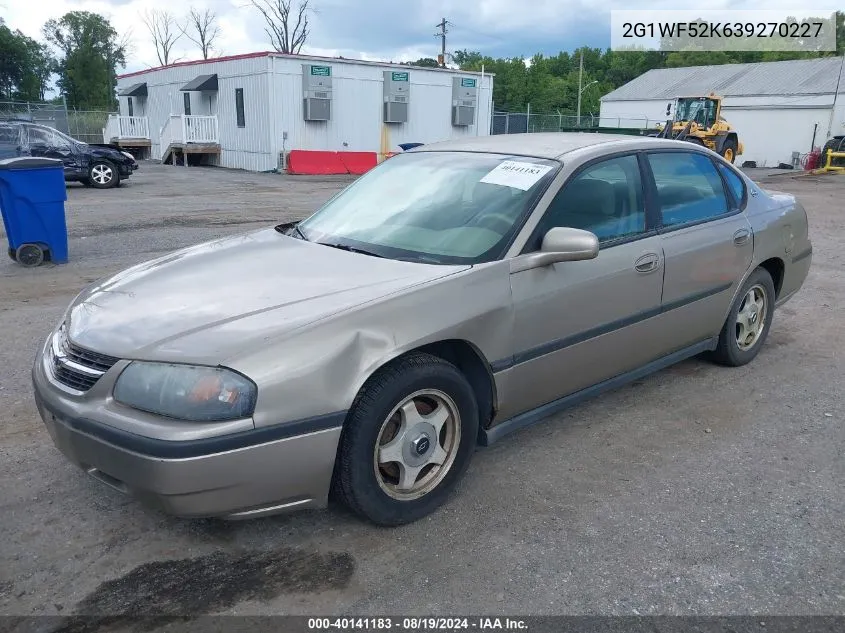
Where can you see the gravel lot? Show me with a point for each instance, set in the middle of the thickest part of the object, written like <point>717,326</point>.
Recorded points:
<point>699,490</point>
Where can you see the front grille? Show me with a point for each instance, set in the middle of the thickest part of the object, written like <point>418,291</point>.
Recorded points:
<point>94,360</point>
<point>76,367</point>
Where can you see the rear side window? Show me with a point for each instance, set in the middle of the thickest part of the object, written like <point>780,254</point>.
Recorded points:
<point>689,188</point>
<point>735,184</point>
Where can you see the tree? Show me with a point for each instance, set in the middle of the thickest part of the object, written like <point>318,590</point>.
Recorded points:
<point>279,14</point>
<point>25,66</point>
<point>90,51</point>
<point>202,29</point>
<point>164,31</point>
<point>425,62</point>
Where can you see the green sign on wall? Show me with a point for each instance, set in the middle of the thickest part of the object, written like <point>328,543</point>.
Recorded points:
<point>321,71</point>
<point>467,83</point>
<point>400,76</point>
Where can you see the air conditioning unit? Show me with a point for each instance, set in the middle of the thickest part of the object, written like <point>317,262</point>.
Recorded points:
<point>464,100</point>
<point>397,94</point>
<point>317,92</point>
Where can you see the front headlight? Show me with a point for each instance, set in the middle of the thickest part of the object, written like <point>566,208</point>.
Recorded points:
<point>128,155</point>
<point>186,392</point>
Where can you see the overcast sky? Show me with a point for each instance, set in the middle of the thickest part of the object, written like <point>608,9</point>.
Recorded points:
<point>390,30</point>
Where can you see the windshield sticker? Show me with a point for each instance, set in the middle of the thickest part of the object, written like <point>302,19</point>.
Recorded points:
<point>516,174</point>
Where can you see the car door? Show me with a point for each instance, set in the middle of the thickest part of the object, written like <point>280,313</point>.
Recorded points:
<point>579,323</point>
<point>44,143</point>
<point>706,239</point>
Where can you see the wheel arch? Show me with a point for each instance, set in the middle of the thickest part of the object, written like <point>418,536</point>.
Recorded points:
<point>775,266</point>
<point>469,360</point>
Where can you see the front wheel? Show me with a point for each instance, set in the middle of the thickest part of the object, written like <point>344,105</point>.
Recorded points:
<point>729,151</point>
<point>103,175</point>
<point>749,321</point>
<point>407,440</point>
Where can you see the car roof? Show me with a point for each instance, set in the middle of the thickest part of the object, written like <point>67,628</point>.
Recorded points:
<point>545,144</point>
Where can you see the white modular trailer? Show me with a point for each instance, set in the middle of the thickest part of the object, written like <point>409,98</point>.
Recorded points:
<point>267,103</point>
<point>778,108</point>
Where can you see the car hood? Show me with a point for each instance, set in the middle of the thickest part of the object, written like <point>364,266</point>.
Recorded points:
<point>155,310</point>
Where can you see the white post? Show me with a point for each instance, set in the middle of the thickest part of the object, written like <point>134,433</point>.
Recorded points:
<point>480,91</point>
<point>580,80</point>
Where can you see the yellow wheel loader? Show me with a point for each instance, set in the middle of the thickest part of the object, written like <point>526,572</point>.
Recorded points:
<point>699,120</point>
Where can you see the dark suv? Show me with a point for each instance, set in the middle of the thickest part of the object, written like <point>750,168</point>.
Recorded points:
<point>95,165</point>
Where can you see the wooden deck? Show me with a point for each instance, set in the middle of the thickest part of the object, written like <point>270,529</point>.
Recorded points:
<point>131,142</point>
<point>189,148</point>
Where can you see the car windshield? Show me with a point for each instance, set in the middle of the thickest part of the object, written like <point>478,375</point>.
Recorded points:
<point>434,207</point>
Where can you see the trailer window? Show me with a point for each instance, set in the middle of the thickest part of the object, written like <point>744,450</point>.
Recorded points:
<point>239,107</point>
<point>186,98</point>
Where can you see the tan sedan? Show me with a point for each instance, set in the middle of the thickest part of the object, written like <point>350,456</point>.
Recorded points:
<point>452,295</point>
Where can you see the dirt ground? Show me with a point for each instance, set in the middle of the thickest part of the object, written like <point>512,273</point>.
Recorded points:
<point>698,490</point>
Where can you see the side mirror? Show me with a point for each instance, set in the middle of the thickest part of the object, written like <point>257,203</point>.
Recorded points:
<point>560,244</point>
<point>668,109</point>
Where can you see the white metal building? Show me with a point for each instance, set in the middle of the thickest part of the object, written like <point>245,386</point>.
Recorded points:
<point>245,110</point>
<point>777,107</point>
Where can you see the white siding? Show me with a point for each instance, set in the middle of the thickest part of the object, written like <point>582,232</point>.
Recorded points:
<point>273,105</point>
<point>770,128</point>
<point>356,119</point>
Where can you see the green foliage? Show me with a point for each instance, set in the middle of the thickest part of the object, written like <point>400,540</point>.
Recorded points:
<point>25,66</point>
<point>550,84</point>
<point>90,54</point>
<point>425,62</point>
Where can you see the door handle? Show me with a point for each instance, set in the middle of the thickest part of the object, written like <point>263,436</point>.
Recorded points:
<point>742,236</point>
<point>647,263</point>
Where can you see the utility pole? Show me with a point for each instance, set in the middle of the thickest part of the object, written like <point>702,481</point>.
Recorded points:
<point>580,80</point>
<point>442,36</point>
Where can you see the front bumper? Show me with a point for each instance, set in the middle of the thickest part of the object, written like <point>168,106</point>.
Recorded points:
<point>207,479</point>
<point>126,170</point>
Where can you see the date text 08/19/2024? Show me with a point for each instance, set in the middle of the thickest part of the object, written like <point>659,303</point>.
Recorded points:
<point>416,624</point>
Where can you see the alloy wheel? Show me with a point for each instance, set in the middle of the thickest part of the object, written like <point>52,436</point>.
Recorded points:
<point>417,444</point>
<point>751,318</point>
<point>102,174</point>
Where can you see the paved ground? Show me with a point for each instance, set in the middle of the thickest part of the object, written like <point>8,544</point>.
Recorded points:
<point>699,490</point>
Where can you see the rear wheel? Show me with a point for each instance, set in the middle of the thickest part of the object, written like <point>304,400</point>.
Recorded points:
<point>103,175</point>
<point>29,255</point>
<point>729,150</point>
<point>748,323</point>
<point>407,440</point>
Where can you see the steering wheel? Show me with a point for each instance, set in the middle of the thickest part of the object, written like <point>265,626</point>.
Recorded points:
<point>498,222</point>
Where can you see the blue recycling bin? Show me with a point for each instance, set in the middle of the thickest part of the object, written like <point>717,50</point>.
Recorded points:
<point>32,202</point>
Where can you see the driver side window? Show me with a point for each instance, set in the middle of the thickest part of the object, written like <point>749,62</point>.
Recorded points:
<point>605,199</point>
<point>37,136</point>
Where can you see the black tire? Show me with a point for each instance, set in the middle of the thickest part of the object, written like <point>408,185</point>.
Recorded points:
<point>728,351</point>
<point>86,182</point>
<point>731,145</point>
<point>30,255</point>
<point>356,482</point>
<point>103,174</point>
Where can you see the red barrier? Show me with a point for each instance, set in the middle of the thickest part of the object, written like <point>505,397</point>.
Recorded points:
<point>302,161</point>
<point>358,162</point>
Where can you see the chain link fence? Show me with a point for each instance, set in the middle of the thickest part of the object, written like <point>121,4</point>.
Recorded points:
<point>522,122</point>
<point>84,125</point>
